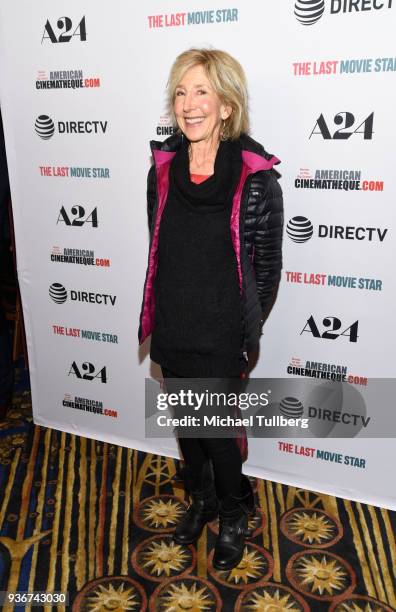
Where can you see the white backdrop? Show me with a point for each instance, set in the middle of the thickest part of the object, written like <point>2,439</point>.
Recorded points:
<point>85,191</point>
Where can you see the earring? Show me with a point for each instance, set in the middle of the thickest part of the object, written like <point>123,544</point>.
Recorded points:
<point>224,131</point>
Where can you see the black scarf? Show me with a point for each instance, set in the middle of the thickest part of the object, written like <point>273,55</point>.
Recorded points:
<point>215,193</point>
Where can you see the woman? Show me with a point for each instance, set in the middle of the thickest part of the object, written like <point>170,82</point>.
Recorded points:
<point>215,218</point>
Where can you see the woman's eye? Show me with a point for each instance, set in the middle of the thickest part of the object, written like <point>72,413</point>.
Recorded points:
<point>179,93</point>
<point>201,92</point>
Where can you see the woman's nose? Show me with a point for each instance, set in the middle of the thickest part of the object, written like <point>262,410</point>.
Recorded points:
<point>188,102</point>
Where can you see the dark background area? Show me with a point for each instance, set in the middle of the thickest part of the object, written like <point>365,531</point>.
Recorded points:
<point>11,322</point>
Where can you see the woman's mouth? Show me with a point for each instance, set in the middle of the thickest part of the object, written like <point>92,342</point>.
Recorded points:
<point>193,120</point>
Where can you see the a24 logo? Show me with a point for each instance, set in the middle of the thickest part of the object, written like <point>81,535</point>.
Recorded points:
<point>76,217</point>
<point>88,372</point>
<point>346,120</point>
<point>63,31</point>
<point>334,325</point>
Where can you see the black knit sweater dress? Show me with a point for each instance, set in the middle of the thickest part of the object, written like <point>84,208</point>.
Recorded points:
<point>197,331</point>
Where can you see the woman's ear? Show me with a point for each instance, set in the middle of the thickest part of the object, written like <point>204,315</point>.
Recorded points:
<point>225,111</point>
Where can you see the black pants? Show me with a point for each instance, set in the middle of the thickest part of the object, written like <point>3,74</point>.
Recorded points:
<point>224,454</point>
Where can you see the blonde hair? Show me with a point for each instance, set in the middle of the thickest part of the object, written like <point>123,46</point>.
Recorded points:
<point>226,76</point>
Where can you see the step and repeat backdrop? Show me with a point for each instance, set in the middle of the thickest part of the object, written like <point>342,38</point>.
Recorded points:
<point>82,94</point>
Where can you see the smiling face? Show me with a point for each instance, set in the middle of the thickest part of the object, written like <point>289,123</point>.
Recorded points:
<point>197,107</point>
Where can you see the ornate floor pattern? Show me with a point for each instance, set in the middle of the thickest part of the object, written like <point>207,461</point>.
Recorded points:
<point>95,520</point>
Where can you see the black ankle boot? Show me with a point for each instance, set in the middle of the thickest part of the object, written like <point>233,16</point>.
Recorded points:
<point>204,508</point>
<point>233,527</point>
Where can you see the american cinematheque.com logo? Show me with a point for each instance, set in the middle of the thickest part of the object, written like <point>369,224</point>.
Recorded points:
<point>94,407</point>
<point>83,257</point>
<point>65,79</point>
<point>339,180</point>
<point>324,371</point>
<point>165,127</point>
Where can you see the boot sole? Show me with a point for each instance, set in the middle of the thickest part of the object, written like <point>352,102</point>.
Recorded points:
<point>225,568</point>
<point>185,542</point>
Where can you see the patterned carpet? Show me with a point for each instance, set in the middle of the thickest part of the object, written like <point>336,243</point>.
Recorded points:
<point>94,519</point>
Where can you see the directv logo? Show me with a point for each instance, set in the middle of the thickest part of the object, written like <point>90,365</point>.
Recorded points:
<point>44,127</point>
<point>299,229</point>
<point>309,12</point>
<point>58,293</point>
<point>291,407</point>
